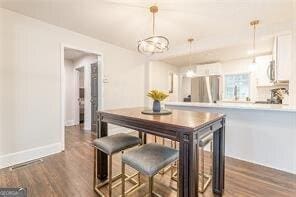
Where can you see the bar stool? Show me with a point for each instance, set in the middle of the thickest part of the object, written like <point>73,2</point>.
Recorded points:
<point>204,176</point>
<point>203,142</point>
<point>148,159</point>
<point>111,145</point>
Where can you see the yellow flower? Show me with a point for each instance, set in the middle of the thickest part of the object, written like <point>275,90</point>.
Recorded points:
<point>157,95</point>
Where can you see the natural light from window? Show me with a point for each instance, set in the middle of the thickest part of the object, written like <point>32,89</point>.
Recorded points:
<point>242,81</point>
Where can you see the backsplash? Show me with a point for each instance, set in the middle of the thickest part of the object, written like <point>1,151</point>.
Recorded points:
<point>263,93</point>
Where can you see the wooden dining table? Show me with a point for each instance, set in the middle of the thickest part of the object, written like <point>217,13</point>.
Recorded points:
<point>185,127</point>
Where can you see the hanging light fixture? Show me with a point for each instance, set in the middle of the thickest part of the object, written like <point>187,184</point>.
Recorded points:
<point>253,24</point>
<point>190,73</point>
<point>153,44</point>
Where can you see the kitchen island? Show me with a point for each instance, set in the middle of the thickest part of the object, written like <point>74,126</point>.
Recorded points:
<point>264,134</point>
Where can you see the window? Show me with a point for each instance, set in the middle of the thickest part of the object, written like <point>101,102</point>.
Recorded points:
<point>242,81</point>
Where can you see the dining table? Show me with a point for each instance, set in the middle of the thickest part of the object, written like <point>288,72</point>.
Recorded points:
<point>184,127</point>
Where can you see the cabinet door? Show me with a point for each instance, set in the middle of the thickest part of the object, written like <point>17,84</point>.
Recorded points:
<point>284,57</point>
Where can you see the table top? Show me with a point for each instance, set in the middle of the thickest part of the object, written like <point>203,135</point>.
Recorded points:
<point>179,118</point>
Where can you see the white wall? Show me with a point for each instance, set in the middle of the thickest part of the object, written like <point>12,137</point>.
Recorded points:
<point>70,93</point>
<point>159,78</point>
<point>30,81</point>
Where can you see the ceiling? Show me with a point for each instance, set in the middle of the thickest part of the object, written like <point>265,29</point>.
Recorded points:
<point>263,47</point>
<point>123,23</point>
<point>73,54</point>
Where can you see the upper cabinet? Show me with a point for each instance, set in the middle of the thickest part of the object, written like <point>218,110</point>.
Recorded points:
<point>208,69</point>
<point>283,56</point>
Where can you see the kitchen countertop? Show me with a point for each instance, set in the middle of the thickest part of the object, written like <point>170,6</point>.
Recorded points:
<point>247,106</point>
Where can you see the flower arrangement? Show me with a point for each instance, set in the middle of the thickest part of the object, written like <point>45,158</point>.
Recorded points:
<point>280,93</point>
<point>157,97</point>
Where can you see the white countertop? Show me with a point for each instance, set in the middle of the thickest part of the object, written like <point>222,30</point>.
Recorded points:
<point>247,106</point>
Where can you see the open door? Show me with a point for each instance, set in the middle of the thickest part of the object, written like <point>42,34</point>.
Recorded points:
<point>94,95</point>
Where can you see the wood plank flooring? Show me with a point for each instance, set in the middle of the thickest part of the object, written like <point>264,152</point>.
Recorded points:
<point>70,174</point>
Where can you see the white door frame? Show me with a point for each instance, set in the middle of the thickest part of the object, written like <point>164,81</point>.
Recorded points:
<point>76,93</point>
<point>63,85</point>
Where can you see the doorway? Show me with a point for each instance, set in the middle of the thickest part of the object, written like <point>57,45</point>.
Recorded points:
<point>82,93</point>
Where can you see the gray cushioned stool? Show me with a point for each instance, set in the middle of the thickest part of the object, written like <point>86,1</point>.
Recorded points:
<point>111,145</point>
<point>149,159</point>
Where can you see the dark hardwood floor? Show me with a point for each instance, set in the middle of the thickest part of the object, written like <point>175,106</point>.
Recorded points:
<point>70,174</point>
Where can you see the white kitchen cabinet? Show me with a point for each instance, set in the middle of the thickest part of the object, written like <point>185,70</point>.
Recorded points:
<point>208,69</point>
<point>283,57</point>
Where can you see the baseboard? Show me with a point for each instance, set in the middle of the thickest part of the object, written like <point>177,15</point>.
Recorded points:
<point>69,123</point>
<point>266,165</point>
<point>28,155</point>
<point>87,128</point>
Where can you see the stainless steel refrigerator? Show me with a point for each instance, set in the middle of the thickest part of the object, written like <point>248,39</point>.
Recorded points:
<point>206,89</point>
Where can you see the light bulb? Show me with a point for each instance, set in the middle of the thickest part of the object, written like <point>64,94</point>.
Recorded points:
<point>155,40</point>
<point>150,48</point>
<point>253,66</point>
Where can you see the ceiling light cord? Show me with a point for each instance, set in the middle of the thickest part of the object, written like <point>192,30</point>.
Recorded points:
<point>153,10</point>
<point>254,43</point>
<point>254,23</point>
<point>190,40</point>
<point>153,28</point>
<point>190,60</point>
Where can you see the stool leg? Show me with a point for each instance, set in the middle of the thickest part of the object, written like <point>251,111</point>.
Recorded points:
<point>163,170</point>
<point>211,157</point>
<point>123,179</point>
<point>110,176</point>
<point>202,169</point>
<point>177,178</point>
<point>173,145</point>
<point>150,186</point>
<point>172,170</point>
<point>139,178</point>
<point>95,168</point>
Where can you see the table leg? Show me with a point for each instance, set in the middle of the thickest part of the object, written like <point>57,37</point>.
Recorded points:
<point>219,160</point>
<point>188,166</point>
<point>102,163</point>
<point>143,136</point>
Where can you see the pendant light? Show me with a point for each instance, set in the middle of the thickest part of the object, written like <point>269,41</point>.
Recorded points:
<point>253,24</point>
<point>153,44</point>
<point>190,73</point>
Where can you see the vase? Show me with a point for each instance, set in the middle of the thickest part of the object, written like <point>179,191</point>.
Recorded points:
<point>156,106</point>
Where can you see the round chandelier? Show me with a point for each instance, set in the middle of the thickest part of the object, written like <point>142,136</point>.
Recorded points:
<point>153,44</point>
